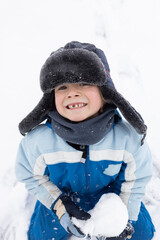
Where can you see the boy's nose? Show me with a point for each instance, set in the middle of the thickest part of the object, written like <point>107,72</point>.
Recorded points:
<point>73,92</point>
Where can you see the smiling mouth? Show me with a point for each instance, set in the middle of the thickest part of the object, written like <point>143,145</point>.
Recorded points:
<point>76,105</point>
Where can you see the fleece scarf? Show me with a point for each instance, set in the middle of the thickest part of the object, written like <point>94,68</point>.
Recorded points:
<point>86,132</point>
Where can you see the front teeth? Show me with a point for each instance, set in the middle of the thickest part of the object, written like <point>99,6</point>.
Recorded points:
<point>70,106</point>
<point>76,105</point>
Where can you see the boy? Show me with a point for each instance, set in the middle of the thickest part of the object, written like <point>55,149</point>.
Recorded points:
<point>85,149</point>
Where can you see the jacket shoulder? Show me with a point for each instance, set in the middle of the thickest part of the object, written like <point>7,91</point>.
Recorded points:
<point>126,128</point>
<point>127,135</point>
<point>39,131</point>
<point>41,139</point>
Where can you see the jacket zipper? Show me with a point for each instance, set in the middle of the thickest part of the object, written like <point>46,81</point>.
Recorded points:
<point>86,170</point>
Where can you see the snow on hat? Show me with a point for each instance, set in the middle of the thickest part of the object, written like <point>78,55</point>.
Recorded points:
<point>78,63</point>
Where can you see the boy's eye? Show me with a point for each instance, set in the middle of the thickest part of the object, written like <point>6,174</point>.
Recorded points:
<point>83,84</point>
<point>62,88</point>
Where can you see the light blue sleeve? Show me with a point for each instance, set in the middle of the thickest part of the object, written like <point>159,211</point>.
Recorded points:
<point>134,175</point>
<point>143,173</point>
<point>31,169</point>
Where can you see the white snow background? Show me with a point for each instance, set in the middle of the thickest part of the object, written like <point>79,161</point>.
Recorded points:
<point>129,33</point>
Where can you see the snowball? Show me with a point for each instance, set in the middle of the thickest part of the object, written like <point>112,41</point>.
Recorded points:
<point>109,217</point>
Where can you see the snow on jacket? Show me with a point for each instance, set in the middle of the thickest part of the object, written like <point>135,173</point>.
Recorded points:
<point>49,166</point>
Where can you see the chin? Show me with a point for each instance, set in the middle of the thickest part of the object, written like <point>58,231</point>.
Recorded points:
<point>78,119</point>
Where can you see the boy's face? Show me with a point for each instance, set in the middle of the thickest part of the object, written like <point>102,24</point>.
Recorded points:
<point>78,102</point>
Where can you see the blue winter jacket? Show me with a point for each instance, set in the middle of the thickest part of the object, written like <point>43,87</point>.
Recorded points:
<point>118,163</point>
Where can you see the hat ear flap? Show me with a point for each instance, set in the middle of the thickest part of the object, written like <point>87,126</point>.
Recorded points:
<point>130,114</point>
<point>38,114</point>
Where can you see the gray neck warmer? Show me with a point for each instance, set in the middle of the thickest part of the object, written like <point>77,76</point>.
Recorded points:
<point>86,132</point>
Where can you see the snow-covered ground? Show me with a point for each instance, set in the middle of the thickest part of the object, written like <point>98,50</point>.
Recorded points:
<point>129,33</point>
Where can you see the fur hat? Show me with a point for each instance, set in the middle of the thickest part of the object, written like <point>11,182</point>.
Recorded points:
<point>84,63</point>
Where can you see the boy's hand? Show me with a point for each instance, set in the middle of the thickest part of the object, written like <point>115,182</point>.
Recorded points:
<point>65,209</point>
<point>126,234</point>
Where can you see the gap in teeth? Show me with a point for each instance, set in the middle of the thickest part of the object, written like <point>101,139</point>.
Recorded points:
<point>76,105</point>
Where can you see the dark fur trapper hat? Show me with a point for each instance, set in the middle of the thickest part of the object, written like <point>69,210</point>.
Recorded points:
<point>38,114</point>
<point>72,66</point>
<point>73,63</point>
